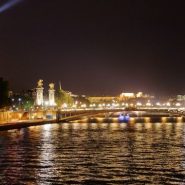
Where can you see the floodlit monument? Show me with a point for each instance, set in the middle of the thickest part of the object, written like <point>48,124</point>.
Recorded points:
<point>51,94</point>
<point>39,93</point>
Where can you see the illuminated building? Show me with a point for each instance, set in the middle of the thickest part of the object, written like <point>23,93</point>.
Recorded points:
<point>126,96</point>
<point>139,95</point>
<point>180,97</point>
<point>101,99</point>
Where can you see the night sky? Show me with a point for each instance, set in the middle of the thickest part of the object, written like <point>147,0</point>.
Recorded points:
<point>98,47</point>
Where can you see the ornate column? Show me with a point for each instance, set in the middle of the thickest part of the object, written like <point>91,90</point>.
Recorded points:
<point>51,94</point>
<point>39,95</point>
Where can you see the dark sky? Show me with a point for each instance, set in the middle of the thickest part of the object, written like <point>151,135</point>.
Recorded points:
<point>95,47</point>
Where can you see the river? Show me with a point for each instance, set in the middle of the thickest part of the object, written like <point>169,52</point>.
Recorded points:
<point>94,153</point>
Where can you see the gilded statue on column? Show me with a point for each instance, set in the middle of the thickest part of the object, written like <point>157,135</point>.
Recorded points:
<point>51,86</point>
<point>40,83</point>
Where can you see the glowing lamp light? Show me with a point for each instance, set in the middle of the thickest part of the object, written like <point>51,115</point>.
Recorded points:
<point>117,104</point>
<point>64,105</point>
<point>168,104</point>
<point>74,106</point>
<point>131,104</point>
<point>178,104</point>
<point>46,103</point>
<point>83,105</point>
<point>148,104</point>
<point>139,104</point>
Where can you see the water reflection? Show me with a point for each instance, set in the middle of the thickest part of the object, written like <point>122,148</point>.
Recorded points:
<point>94,153</point>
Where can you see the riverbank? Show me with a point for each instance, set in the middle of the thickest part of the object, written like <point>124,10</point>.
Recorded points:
<point>24,123</point>
<point>18,124</point>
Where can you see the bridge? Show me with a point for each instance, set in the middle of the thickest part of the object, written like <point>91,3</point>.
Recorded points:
<point>66,116</point>
<point>72,115</point>
<point>39,117</point>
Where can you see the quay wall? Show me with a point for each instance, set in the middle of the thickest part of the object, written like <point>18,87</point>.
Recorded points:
<point>9,116</point>
<point>6,116</point>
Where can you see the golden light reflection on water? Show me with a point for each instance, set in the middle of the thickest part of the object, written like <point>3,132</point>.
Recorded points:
<point>84,125</point>
<point>93,125</point>
<point>132,120</point>
<point>34,128</point>
<point>65,125</point>
<point>164,119</point>
<point>114,126</point>
<point>100,119</point>
<point>123,125</point>
<point>157,125</point>
<point>99,153</point>
<point>114,120</point>
<point>179,119</point>
<point>76,126</point>
<point>139,126</point>
<point>104,125</point>
<point>47,152</point>
<point>147,119</point>
<point>148,125</point>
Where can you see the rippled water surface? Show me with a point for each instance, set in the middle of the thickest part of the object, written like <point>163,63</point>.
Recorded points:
<point>94,153</point>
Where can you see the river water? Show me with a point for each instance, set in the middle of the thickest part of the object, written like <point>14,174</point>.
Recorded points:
<point>94,154</point>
